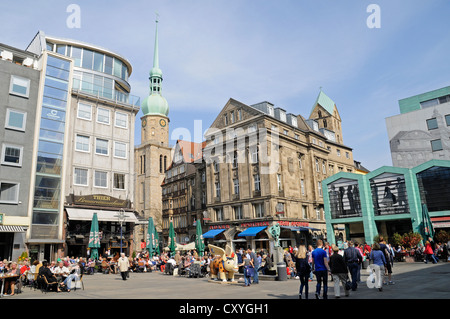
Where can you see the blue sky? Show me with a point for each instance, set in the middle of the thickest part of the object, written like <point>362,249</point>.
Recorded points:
<point>259,50</point>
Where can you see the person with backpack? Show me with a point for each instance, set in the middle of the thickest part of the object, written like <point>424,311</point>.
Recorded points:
<point>387,255</point>
<point>353,258</point>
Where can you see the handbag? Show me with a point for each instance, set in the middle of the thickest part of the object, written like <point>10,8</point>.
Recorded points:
<point>248,271</point>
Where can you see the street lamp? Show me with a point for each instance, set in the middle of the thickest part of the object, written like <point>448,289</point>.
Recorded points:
<point>121,217</point>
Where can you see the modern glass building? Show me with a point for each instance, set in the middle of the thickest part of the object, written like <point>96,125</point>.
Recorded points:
<point>83,152</point>
<point>387,201</point>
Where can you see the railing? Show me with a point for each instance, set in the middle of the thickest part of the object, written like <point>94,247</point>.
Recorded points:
<point>102,92</point>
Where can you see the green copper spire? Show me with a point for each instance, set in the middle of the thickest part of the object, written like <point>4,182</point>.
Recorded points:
<point>155,103</point>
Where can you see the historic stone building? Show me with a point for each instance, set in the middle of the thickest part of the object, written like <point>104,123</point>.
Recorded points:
<point>153,156</point>
<point>266,166</point>
<point>184,191</point>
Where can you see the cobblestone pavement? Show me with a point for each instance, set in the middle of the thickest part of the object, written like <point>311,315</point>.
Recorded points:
<point>412,281</point>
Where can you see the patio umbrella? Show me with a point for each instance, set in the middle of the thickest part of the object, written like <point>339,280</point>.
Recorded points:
<point>172,245</point>
<point>428,230</point>
<point>156,241</point>
<point>199,244</point>
<point>94,239</point>
<point>151,237</point>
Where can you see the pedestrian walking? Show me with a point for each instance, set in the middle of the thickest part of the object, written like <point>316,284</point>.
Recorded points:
<point>123,264</point>
<point>379,261</point>
<point>339,271</point>
<point>429,253</point>
<point>255,265</point>
<point>353,258</point>
<point>248,269</point>
<point>387,255</point>
<point>303,270</point>
<point>321,269</point>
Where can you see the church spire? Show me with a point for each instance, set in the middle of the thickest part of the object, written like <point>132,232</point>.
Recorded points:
<point>155,103</point>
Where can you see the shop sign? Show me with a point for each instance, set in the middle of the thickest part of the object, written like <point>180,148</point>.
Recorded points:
<point>219,227</point>
<point>293,223</point>
<point>254,224</point>
<point>100,200</point>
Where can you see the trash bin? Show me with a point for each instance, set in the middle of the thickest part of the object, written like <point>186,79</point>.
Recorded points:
<point>282,272</point>
<point>365,264</point>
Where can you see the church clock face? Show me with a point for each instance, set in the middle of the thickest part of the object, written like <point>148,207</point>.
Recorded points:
<point>144,123</point>
<point>162,122</point>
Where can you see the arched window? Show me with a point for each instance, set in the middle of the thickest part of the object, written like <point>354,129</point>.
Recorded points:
<point>165,163</point>
<point>160,163</point>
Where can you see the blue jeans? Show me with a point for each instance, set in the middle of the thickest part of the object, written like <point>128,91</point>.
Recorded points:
<point>353,269</point>
<point>68,280</point>
<point>303,284</point>
<point>255,274</point>
<point>322,276</point>
<point>432,257</point>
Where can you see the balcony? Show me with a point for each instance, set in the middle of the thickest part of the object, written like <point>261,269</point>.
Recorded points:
<point>103,93</point>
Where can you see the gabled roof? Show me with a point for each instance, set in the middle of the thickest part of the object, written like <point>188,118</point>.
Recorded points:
<point>324,101</point>
<point>191,151</point>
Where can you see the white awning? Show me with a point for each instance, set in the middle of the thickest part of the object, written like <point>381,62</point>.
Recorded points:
<point>11,229</point>
<point>102,215</point>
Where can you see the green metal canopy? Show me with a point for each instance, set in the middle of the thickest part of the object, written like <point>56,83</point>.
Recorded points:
<point>94,239</point>
<point>199,244</point>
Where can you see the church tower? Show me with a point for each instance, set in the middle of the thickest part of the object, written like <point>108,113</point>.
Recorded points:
<point>155,122</point>
<point>153,155</point>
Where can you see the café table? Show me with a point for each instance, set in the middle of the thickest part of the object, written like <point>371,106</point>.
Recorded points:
<point>3,278</point>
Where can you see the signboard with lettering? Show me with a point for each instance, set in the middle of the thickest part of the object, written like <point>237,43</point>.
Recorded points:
<point>101,200</point>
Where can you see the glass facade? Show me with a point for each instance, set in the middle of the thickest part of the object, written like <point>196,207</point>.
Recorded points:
<point>47,188</point>
<point>389,194</point>
<point>434,188</point>
<point>92,60</point>
<point>344,198</point>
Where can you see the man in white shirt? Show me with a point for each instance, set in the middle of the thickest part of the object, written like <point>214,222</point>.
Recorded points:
<point>61,270</point>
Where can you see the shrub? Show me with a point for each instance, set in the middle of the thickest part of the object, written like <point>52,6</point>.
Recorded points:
<point>411,239</point>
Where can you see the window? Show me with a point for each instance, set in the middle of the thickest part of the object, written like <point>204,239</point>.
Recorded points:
<point>280,186</point>
<point>319,188</point>
<point>102,116</point>
<point>304,211</point>
<point>19,86</point>
<point>15,120</point>
<point>217,189</point>
<point>324,167</point>
<point>203,176</point>
<point>80,176</point>
<point>255,155</point>
<point>101,179</point>
<point>302,186</point>
<point>12,155</point>
<point>238,212</point>
<point>338,152</point>
<point>318,214</point>
<point>257,182</point>
<point>232,117</point>
<point>235,159</point>
<point>101,146</point>
<point>436,145</point>
<point>9,192</point>
<point>236,186</point>
<point>259,210</point>
<point>300,156</point>
<point>219,214</point>
<point>120,149</point>
<point>84,111</point>
<point>119,181</point>
<point>432,124</point>
<point>447,119</point>
<point>82,143</point>
<point>225,119</point>
<point>317,165</point>
<point>121,120</point>
<point>347,154</point>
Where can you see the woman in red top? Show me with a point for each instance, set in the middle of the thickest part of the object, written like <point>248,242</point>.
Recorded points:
<point>429,253</point>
